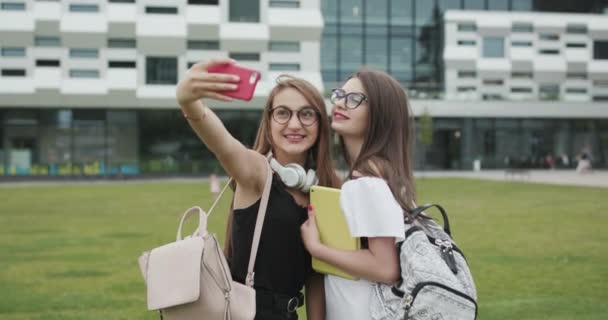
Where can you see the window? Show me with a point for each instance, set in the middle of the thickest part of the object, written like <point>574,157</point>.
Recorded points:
<point>576,29</point>
<point>207,2</point>
<point>161,10</point>
<point>13,6</point>
<point>467,43</point>
<point>161,70</point>
<point>600,98</point>
<point>244,11</point>
<point>522,28</point>
<point>467,74</point>
<point>13,72</point>
<point>576,90</point>
<point>245,56</point>
<point>43,41</point>
<point>466,89</point>
<point>600,50</point>
<point>548,91</point>
<point>600,83</point>
<point>521,90</point>
<point>84,8</point>
<point>13,52</point>
<point>492,96</point>
<point>467,27</point>
<point>522,5</point>
<point>493,82</point>
<point>548,51</point>
<point>284,67</point>
<point>122,43</point>
<point>123,1</point>
<point>493,47</point>
<point>84,53</point>
<point>474,5</point>
<point>84,73</point>
<point>203,45</point>
<point>576,75</point>
<point>284,3</point>
<point>548,36</point>
<point>521,75</point>
<point>521,43</point>
<point>576,45</point>
<point>47,63</point>
<point>122,64</point>
<point>284,46</point>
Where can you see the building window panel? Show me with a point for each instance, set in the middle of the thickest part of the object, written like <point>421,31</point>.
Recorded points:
<point>401,58</point>
<point>576,75</point>
<point>522,28</point>
<point>122,64</point>
<point>13,72</point>
<point>548,92</point>
<point>84,73</point>
<point>43,41</point>
<point>245,56</point>
<point>377,13</point>
<point>576,90</point>
<point>284,67</point>
<point>549,51</point>
<point>522,5</point>
<point>375,51</point>
<point>498,5</point>
<point>576,45</point>
<point>600,50</point>
<point>424,12</point>
<point>493,82</point>
<point>47,63</point>
<point>284,3</point>
<point>244,11</point>
<point>284,46</point>
<point>351,11</point>
<point>521,90</point>
<point>402,12</point>
<point>203,45</point>
<point>467,27</point>
<point>12,6</point>
<point>76,7</point>
<point>467,43</point>
<point>521,75</point>
<point>122,1</point>
<point>467,74</point>
<point>466,89</point>
<point>161,70</point>
<point>493,47</point>
<point>204,2</point>
<point>521,43</point>
<point>576,29</point>
<point>13,52</point>
<point>122,43</point>
<point>84,53</point>
<point>548,36</point>
<point>474,5</point>
<point>161,10</point>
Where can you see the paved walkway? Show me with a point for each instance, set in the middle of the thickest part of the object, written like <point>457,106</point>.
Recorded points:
<point>560,177</point>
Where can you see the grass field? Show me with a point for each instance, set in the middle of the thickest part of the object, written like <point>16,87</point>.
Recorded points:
<point>69,251</point>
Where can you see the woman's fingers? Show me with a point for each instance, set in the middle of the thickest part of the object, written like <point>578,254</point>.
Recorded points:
<point>214,77</point>
<point>218,96</point>
<point>214,86</point>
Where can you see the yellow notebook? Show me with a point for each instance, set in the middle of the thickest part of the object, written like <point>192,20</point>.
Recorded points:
<point>333,229</point>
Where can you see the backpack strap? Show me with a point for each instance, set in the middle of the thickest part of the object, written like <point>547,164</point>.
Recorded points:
<point>419,210</point>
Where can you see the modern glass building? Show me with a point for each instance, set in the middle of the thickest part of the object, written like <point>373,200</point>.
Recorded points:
<point>507,82</point>
<point>87,86</point>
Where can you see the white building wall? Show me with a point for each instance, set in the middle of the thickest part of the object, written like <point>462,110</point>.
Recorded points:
<point>532,59</point>
<point>156,35</point>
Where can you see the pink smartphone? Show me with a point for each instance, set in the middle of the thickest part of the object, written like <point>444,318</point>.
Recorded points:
<point>248,80</point>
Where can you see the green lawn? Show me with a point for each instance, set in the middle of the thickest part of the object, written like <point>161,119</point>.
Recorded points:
<point>69,251</point>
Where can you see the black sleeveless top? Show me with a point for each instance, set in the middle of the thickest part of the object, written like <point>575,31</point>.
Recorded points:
<point>282,264</point>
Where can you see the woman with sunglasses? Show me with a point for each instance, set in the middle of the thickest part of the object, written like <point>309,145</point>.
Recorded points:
<point>371,115</point>
<point>295,130</point>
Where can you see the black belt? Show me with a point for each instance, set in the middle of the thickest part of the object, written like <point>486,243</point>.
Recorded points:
<point>279,302</point>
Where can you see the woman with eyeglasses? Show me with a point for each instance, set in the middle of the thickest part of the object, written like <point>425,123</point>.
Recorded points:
<point>295,129</point>
<point>371,115</point>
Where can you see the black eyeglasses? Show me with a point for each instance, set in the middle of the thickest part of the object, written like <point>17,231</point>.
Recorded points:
<point>351,100</point>
<point>307,115</point>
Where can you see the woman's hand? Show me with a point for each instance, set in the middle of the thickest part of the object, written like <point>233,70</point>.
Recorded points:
<point>310,233</point>
<point>199,83</point>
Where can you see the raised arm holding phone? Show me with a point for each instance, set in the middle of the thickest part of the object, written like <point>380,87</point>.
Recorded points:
<point>293,133</point>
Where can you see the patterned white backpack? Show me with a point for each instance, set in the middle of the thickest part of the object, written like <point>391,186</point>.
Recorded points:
<point>436,282</point>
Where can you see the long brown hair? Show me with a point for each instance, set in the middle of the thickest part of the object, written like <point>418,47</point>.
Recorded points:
<point>319,155</point>
<point>387,145</point>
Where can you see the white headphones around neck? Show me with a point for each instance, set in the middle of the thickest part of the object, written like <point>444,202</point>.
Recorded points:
<point>294,176</point>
